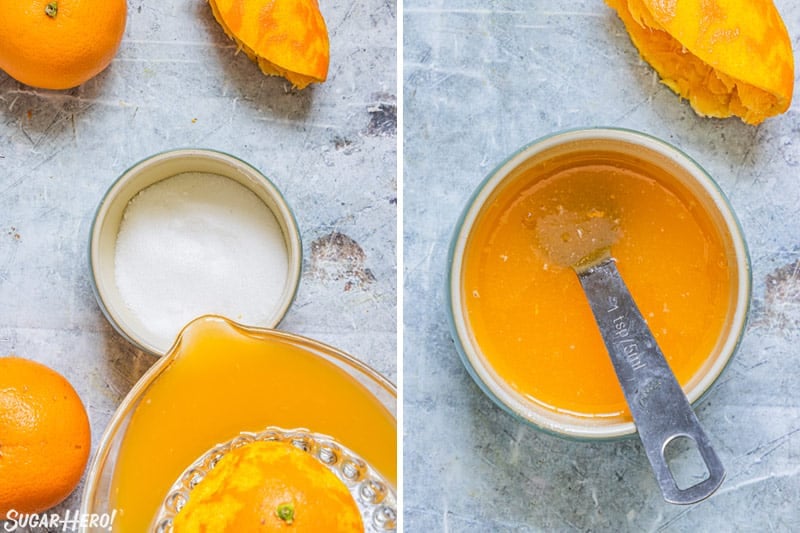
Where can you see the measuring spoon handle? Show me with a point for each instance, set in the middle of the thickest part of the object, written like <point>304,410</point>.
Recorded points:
<point>657,402</point>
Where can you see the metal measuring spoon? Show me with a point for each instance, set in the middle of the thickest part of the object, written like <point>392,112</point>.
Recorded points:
<point>660,409</point>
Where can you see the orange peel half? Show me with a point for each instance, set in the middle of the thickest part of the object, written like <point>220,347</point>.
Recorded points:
<point>286,38</point>
<point>269,486</point>
<point>726,57</point>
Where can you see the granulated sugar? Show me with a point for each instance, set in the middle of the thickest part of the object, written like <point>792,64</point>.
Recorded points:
<point>197,244</point>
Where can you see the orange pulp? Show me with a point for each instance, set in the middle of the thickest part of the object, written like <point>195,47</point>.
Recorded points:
<point>225,380</point>
<point>529,315</point>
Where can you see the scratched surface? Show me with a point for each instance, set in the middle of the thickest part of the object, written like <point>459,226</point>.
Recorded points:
<point>480,80</point>
<point>178,82</point>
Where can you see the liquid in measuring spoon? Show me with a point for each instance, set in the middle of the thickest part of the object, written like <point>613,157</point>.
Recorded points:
<point>571,239</point>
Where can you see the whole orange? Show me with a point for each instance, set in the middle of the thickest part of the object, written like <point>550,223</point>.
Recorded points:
<point>44,437</point>
<point>59,44</point>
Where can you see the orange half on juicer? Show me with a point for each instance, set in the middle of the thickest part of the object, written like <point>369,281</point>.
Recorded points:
<point>285,37</point>
<point>726,57</point>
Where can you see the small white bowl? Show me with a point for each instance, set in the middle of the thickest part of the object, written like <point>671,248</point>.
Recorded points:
<point>106,225</point>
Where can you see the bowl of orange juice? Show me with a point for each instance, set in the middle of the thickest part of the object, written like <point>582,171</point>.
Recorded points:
<point>219,380</point>
<point>522,326</point>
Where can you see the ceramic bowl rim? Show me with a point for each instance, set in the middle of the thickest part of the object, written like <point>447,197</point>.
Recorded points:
<point>479,370</point>
<point>107,299</point>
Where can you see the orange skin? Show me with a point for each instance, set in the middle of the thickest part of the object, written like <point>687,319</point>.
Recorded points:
<point>727,57</point>
<point>59,44</point>
<point>44,437</point>
<point>253,484</point>
<point>285,37</point>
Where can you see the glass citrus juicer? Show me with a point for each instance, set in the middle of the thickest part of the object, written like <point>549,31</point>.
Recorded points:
<point>221,380</point>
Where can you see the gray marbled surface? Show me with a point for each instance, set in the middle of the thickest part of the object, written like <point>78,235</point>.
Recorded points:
<point>481,79</point>
<point>177,82</point>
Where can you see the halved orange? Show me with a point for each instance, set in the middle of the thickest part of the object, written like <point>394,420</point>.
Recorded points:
<point>726,57</point>
<point>285,37</point>
<point>270,486</point>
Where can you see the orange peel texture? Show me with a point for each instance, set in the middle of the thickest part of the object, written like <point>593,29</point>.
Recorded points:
<point>269,486</point>
<point>726,57</point>
<point>59,44</point>
<point>285,37</point>
<point>45,437</point>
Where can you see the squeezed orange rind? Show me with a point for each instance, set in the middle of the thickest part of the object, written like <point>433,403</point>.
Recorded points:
<point>286,38</point>
<point>269,486</point>
<point>726,57</point>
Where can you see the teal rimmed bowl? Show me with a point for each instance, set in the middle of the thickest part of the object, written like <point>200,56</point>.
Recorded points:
<point>691,177</point>
<point>162,166</point>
